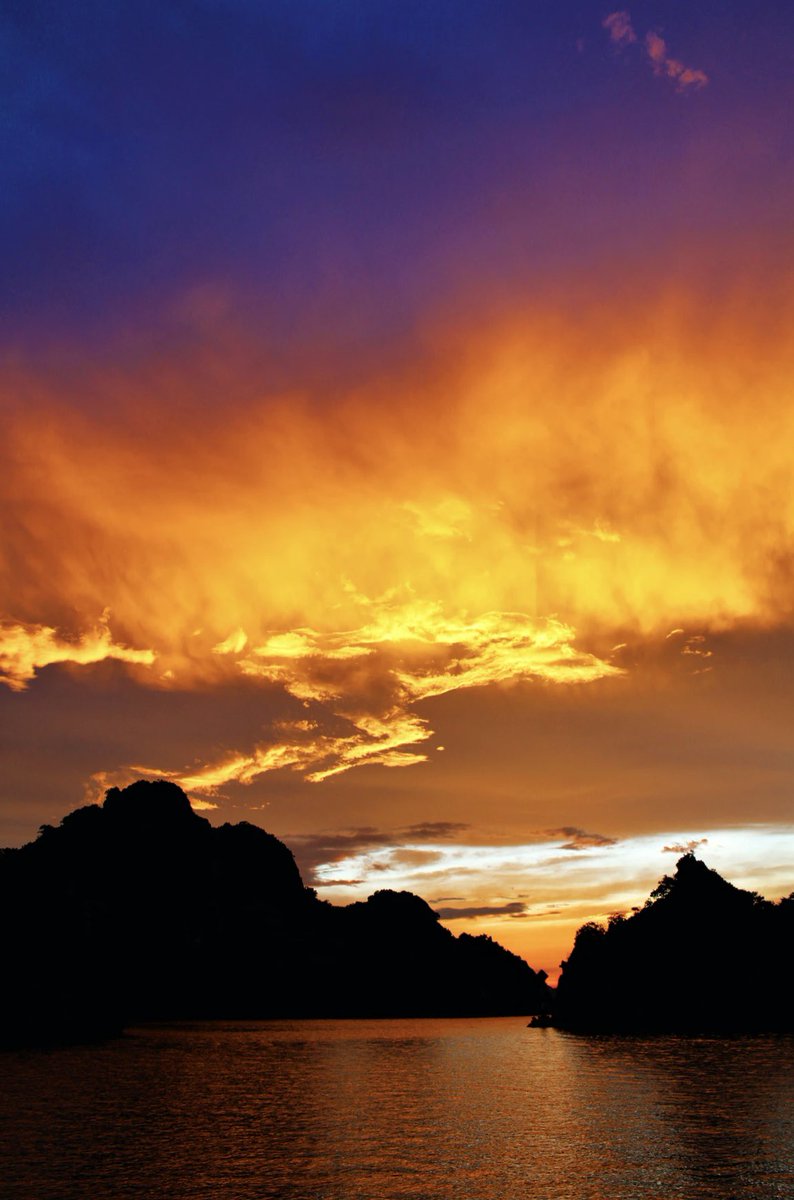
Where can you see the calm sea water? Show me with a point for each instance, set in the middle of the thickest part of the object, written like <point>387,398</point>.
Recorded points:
<point>367,1110</point>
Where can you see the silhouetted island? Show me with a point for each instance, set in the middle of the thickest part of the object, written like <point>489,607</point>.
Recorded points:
<point>701,956</point>
<point>139,909</point>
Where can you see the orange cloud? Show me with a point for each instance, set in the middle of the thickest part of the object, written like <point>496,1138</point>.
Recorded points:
<point>408,655</point>
<point>622,34</point>
<point>620,28</point>
<point>26,649</point>
<point>663,64</point>
<point>513,507</point>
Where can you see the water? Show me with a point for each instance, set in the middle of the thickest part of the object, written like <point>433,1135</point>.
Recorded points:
<point>369,1110</point>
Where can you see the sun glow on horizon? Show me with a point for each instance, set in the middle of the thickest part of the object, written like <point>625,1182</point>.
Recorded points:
<point>533,896</point>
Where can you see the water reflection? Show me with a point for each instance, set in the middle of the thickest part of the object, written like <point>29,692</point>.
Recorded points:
<point>476,1110</point>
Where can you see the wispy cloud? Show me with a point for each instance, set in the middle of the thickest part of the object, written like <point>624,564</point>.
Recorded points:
<point>512,909</point>
<point>599,879</point>
<point>404,846</point>
<point>622,34</point>
<point>579,839</point>
<point>664,64</point>
<point>620,28</point>
<point>25,649</point>
<point>360,686</point>
<point>685,847</point>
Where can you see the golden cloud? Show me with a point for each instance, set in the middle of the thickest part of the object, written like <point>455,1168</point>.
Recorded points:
<point>507,508</point>
<point>25,649</point>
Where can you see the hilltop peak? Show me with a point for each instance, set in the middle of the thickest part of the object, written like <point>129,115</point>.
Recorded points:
<point>140,909</point>
<point>695,886</point>
<point>682,963</point>
<point>147,801</point>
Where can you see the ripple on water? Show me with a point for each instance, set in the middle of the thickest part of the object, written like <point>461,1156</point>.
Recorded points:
<point>374,1110</point>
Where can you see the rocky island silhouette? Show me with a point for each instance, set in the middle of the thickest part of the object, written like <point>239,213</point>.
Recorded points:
<point>140,910</point>
<point>701,956</point>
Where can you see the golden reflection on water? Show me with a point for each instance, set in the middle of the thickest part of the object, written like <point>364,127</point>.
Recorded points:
<point>455,1110</point>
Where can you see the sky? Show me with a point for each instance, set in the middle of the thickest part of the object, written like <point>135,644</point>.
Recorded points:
<point>396,438</point>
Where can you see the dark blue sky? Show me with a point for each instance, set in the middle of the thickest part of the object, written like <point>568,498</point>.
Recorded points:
<point>343,167</point>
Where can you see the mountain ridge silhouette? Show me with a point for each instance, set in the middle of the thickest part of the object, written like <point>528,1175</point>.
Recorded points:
<point>683,963</point>
<point>140,909</point>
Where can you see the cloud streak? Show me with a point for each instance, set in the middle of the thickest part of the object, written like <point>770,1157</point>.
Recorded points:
<point>672,68</point>
<point>314,850</point>
<point>487,885</point>
<point>685,847</point>
<point>25,649</point>
<point>513,908</point>
<point>409,652</point>
<point>622,34</point>
<point>579,839</point>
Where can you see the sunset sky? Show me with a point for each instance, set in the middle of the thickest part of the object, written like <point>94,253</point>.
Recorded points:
<point>397,437</point>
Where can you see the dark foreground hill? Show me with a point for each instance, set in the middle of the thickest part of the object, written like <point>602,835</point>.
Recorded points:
<point>140,910</point>
<point>701,956</point>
